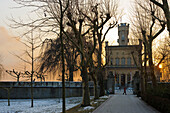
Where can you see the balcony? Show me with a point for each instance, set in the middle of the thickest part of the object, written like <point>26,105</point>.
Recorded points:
<point>122,66</point>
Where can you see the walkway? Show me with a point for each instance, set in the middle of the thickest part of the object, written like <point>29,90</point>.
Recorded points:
<point>129,103</point>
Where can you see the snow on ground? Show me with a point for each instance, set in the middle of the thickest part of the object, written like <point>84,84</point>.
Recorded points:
<point>104,97</point>
<point>40,105</point>
<point>100,100</point>
<point>93,102</point>
<point>120,91</point>
<point>86,108</point>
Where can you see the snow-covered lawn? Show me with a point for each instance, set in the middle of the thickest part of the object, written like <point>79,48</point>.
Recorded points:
<point>86,108</point>
<point>44,105</point>
<point>40,105</point>
<point>94,103</point>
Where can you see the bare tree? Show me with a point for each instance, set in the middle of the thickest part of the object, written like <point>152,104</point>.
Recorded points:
<point>53,19</point>
<point>49,19</point>
<point>148,27</point>
<point>162,51</point>
<point>71,56</point>
<point>17,74</point>
<point>62,12</point>
<point>106,15</point>
<point>161,57</point>
<point>1,69</point>
<point>110,17</point>
<point>93,16</point>
<point>164,5</point>
<point>83,33</point>
<point>50,57</point>
<point>93,70</point>
<point>1,75</point>
<point>32,44</point>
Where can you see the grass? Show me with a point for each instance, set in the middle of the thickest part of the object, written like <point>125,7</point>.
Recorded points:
<point>88,109</point>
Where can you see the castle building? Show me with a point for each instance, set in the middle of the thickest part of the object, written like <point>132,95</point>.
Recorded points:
<point>122,61</point>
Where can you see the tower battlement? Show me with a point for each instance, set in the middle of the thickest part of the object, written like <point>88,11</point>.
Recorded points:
<point>123,31</point>
<point>123,24</point>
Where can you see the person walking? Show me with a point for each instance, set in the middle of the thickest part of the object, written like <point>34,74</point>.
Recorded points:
<point>124,91</point>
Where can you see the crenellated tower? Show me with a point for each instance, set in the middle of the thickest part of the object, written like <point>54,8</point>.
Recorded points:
<point>123,31</point>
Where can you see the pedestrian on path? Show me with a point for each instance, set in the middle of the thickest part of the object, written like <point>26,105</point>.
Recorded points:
<point>124,91</point>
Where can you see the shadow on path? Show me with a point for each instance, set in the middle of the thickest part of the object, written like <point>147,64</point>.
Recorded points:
<point>120,103</point>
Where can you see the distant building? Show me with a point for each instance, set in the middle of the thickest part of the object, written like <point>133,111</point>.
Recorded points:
<point>122,61</point>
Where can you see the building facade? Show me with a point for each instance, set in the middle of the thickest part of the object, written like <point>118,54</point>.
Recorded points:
<point>122,61</point>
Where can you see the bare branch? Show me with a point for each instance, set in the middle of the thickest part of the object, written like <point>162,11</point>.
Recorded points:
<point>157,3</point>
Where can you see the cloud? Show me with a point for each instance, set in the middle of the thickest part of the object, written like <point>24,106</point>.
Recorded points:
<point>8,45</point>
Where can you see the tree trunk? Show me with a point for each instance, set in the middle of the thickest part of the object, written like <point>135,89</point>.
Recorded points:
<point>145,64</point>
<point>141,72</point>
<point>18,79</point>
<point>94,78</point>
<point>32,91</point>
<point>71,69</point>
<point>151,65</point>
<point>96,95</point>
<point>85,83</point>
<point>8,96</point>
<point>100,74</point>
<point>63,63</point>
<point>101,83</point>
<point>32,72</point>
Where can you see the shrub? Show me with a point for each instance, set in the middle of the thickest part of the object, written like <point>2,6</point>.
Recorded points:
<point>161,104</point>
<point>158,97</point>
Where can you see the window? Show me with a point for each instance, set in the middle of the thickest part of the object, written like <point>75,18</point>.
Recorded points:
<point>110,74</point>
<point>117,53</point>
<point>111,61</point>
<point>123,38</point>
<point>128,61</point>
<point>122,61</point>
<point>117,61</point>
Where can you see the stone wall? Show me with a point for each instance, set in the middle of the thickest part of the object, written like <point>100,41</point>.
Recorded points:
<point>22,90</point>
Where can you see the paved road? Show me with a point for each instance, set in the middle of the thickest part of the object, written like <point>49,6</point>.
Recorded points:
<point>129,103</point>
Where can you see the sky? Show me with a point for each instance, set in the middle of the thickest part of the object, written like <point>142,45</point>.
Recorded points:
<point>8,10</point>
<point>8,43</point>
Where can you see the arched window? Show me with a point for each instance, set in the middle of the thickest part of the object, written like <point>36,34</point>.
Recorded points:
<point>129,61</point>
<point>110,74</point>
<point>123,61</point>
<point>117,61</point>
<point>123,37</point>
<point>128,78</point>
